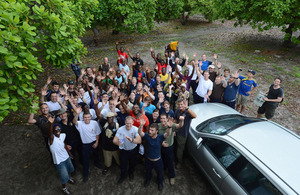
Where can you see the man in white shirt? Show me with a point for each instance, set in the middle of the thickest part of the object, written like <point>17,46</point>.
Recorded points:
<point>205,86</point>
<point>89,131</point>
<point>127,138</point>
<point>53,104</point>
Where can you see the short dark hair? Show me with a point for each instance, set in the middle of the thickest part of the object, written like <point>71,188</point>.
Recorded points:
<point>154,125</point>
<point>164,114</point>
<point>156,110</point>
<point>180,100</point>
<point>278,79</point>
<point>55,83</point>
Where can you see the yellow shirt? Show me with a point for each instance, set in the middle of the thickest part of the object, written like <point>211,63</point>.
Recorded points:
<point>165,77</point>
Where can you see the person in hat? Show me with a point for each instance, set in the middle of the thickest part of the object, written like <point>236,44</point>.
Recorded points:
<point>60,154</point>
<point>231,89</point>
<point>72,135</point>
<point>247,86</point>
<point>71,88</point>
<point>110,150</point>
<point>212,73</point>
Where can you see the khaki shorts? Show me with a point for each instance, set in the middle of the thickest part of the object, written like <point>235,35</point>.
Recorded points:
<point>108,155</point>
<point>241,99</point>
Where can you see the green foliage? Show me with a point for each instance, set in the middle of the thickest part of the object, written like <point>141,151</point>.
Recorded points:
<point>262,15</point>
<point>135,15</point>
<point>35,31</point>
<point>168,9</point>
<point>204,7</point>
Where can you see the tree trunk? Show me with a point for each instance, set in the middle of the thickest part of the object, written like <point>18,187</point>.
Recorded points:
<point>288,36</point>
<point>184,18</point>
<point>96,36</point>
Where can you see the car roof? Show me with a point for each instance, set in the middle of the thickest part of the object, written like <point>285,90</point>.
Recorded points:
<point>275,146</point>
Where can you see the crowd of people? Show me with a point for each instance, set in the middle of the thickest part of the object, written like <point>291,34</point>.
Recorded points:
<point>127,109</point>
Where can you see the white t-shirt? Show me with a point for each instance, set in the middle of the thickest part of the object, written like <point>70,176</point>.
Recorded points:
<point>204,86</point>
<point>126,68</point>
<point>53,106</point>
<point>105,111</point>
<point>123,132</point>
<point>194,77</point>
<point>92,112</point>
<point>58,151</point>
<point>88,132</point>
<point>105,107</point>
<point>87,97</point>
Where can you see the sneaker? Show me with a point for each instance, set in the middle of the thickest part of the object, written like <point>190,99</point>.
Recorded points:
<point>66,191</point>
<point>105,170</point>
<point>172,181</point>
<point>71,180</point>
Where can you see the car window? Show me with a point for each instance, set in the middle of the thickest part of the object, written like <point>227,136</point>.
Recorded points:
<point>250,178</point>
<point>224,124</point>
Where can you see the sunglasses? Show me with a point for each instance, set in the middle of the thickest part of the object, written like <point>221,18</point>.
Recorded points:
<point>57,129</point>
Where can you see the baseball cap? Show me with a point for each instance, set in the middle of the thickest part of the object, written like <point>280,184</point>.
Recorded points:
<point>211,66</point>
<point>110,114</point>
<point>71,82</point>
<point>252,71</point>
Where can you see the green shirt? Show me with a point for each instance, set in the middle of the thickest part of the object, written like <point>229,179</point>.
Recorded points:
<point>162,130</point>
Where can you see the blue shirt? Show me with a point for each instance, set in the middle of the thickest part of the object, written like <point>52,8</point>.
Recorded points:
<point>149,109</point>
<point>153,146</point>
<point>246,85</point>
<point>170,113</point>
<point>205,64</point>
<point>230,92</point>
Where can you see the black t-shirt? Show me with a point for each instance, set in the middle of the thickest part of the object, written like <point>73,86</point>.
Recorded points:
<point>212,76</point>
<point>108,135</point>
<point>104,67</point>
<point>72,135</point>
<point>43,124</point>
<point>274,93</point>
<point>184,130</point>
<point>150,117</point>
<point>121,118</point>
<point>138,61</point>
<point>217,91</point>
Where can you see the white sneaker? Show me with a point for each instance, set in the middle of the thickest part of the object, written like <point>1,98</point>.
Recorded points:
<point>172,181</point>
<point>66,191</point>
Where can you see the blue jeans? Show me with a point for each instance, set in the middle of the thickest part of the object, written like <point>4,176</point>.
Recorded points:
<point>128,156</point>
<point>63,169</point>
<point>86,150</point>
<point>167,154</point>
<point>158,167</point>
<point>229,103</point>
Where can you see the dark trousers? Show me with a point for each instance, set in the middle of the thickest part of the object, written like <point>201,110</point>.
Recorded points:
<point>215,100</point>
<point>167,154</point>
<point>197,98</point>
<point>158,167</point>
<point>194,85</point>
<point>76,148</point>
<point>229,103</point>
<point>86,150</point>
<point>128,157</point>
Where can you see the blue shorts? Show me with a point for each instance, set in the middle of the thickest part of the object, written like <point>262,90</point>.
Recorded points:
<point>63,169</point>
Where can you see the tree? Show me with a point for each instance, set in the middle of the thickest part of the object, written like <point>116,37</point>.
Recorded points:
<point>35,31</point>
<point>263,15</point>
<point>192,7</point>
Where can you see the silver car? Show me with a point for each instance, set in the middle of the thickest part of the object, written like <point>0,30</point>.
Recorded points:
<point>244,155</point>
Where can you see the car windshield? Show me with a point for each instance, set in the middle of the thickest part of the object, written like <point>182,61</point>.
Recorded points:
<point>223,124</point>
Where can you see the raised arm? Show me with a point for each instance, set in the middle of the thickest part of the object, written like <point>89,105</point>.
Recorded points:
<point>117,43</point>
<point>129,53</point>
<point>51,137</point>
<point>198,70</point>
<point>219,65</point>
<point>76,114</point>
<point>142,123</point>
<point>98,113</point>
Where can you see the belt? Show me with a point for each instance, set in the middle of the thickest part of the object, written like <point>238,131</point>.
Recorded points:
<point>230,100</point>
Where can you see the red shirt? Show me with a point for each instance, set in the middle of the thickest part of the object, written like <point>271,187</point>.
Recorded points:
<point>122,56</point>
<point>136,122</point>
<point>161,66</point>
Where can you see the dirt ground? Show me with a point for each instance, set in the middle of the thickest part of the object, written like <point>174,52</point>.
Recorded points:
<point>25,166</point>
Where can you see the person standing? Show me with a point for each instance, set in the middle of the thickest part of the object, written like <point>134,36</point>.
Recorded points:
<point>183,132</point>
<point>153,151</point>
<point>231,89</point>
<point>110,150</point>
<point>167,150</point>
<point>127,138</point>
<point>274,97</point>
<point>205,86</point>
<point>60,154</point>
<point>245,90</point>
<point>89,131</point>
